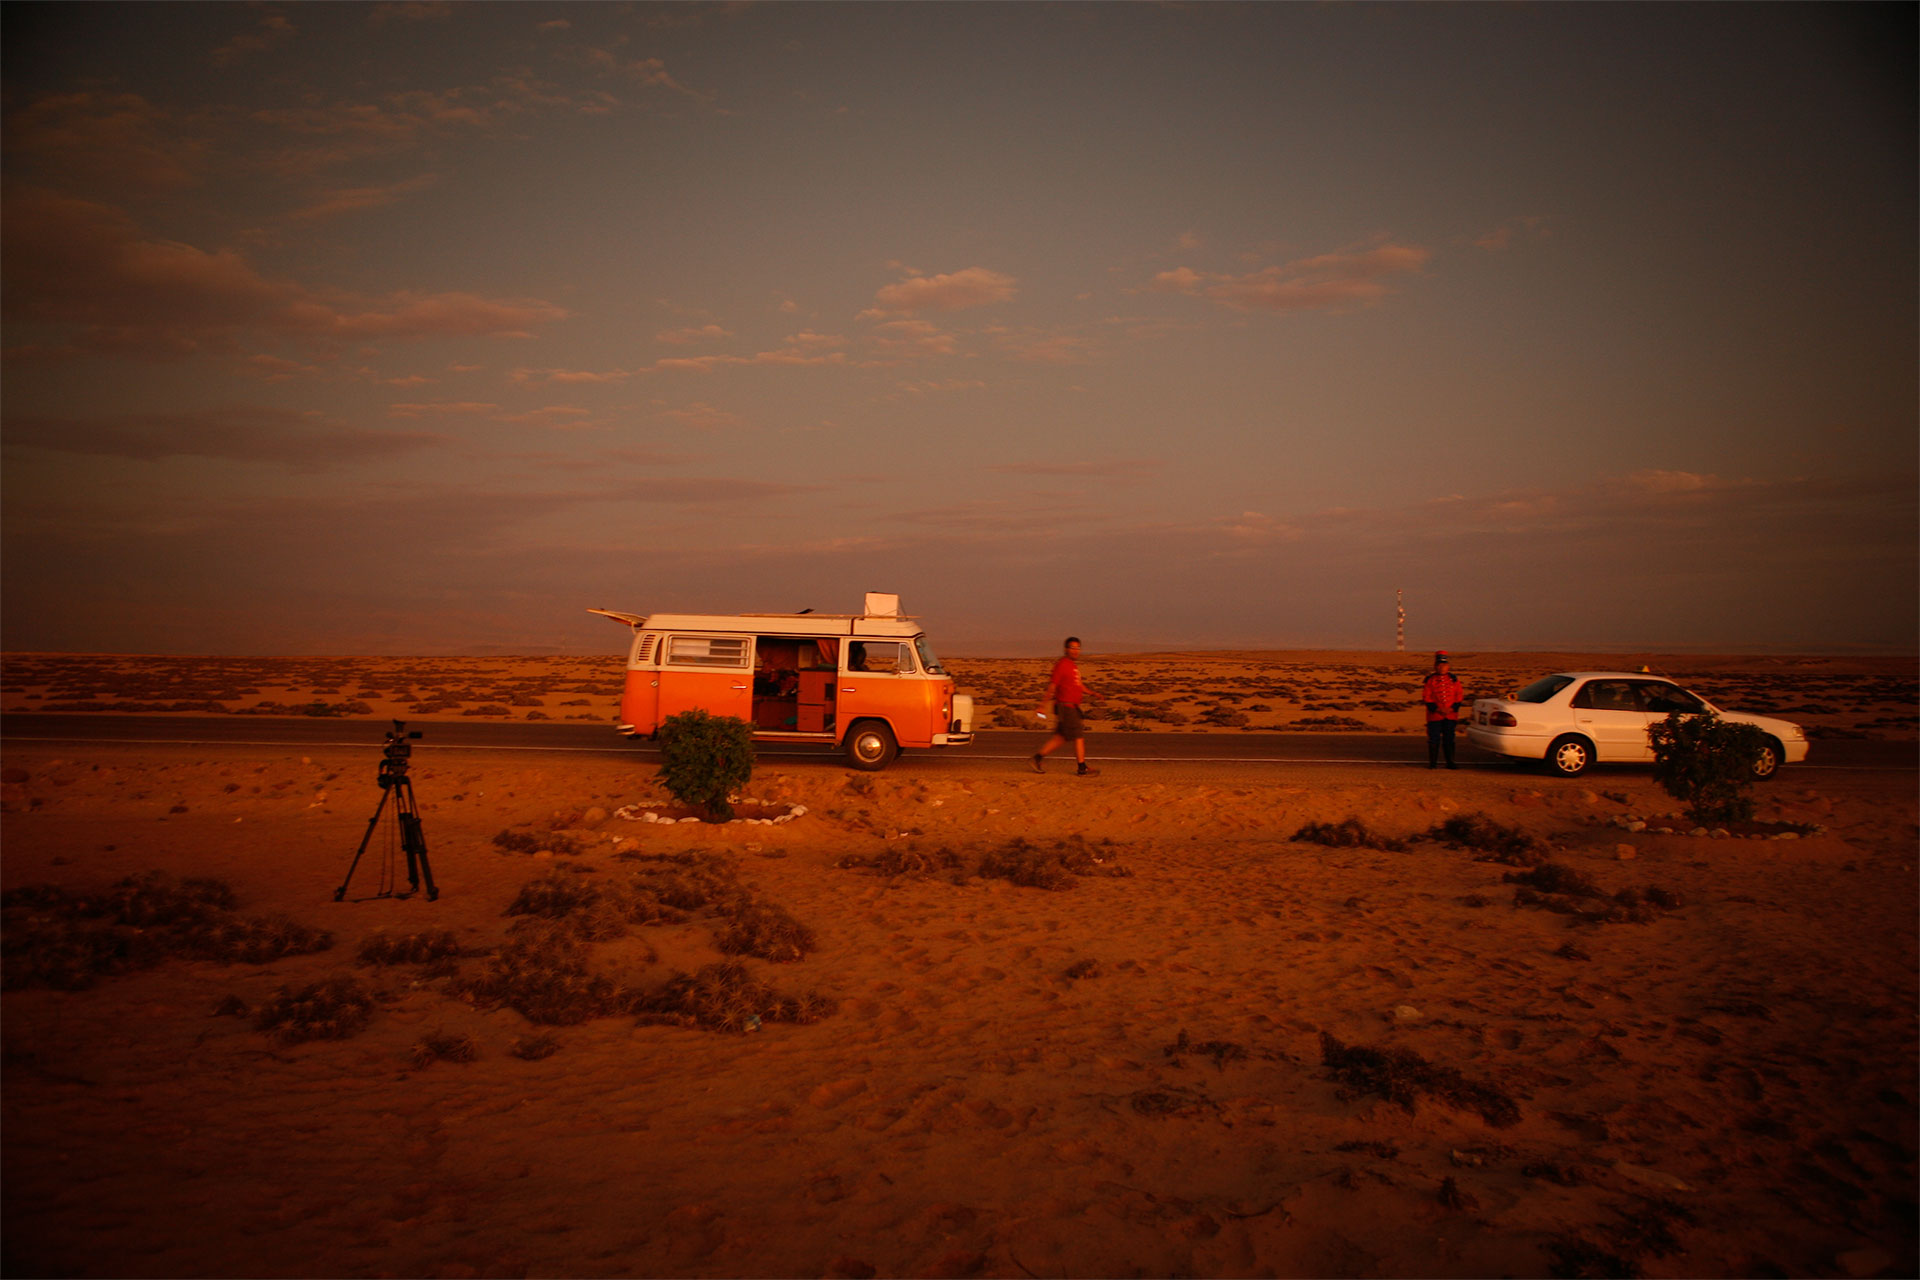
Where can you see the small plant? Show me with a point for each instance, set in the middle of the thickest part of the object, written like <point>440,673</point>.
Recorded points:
<point>1707,764</point>
<point>704,759</point>
<point>1499,842</point>
<point>1404,1077</point>
<point>1349,834</point>
<point>443,1046</point>
<point>329,1010</point>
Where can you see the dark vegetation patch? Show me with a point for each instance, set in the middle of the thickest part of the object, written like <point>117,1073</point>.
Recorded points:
<point>1184,1103</point>
<point>542,972</point>
<point>68,940</point>
<point>1019,861</point>
<point>557,843</point>
<point>1404,1077</point>
<point>1350,833</point>
<point>726,997</point>
<point>1221,1051</point>
<point>1645,1229</point>
<point>1082,969</point>
<point>1554,887</point>
<point>1499,842</point>
<point>332,1009</point>
<point>1379,1150</point>
<point>533,1048</point>
<point>428,947</point>
<point>443,1046</point>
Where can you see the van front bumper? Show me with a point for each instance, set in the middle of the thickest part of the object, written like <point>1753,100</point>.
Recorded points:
<point>951,739</point>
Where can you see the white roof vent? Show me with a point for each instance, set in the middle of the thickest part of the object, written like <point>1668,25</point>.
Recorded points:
<point>881,604</point>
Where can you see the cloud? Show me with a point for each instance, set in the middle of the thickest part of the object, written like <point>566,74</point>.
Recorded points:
<point>958,291</point>
<point>1111,467</point>
<point>1507,233</point>
<point>87,268</point>
<point>701,416</point>
<point>273,29</point>
<point>244,433</point>
<point>913,339</point>
<point>119,138</point>
<point>443,409</point>
<point>345,200</point>
<point>1322,282</point>
<point>536,377</point>
<point>692,333</point>
<point>778,356</point>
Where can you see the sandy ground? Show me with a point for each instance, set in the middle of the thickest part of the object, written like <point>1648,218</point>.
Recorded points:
<point>1724,1088</point>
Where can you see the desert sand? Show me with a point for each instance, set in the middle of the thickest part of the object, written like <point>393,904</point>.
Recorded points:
<point>1136,1072</point>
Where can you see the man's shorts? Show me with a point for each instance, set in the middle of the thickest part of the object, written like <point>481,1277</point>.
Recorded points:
<point>1067,722</point>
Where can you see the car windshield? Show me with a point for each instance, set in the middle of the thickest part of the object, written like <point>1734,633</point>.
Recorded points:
<point>927,660</point>
<point>1543,688</point>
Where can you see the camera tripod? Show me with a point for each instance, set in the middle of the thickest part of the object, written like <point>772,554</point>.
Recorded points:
<point>403,831</point>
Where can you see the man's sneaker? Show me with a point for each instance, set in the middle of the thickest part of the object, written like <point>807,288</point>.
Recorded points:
<point>1085,772</point>
<point>1037,766</point>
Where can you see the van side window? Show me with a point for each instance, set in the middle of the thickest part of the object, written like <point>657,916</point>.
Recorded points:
<point>707,651</point>
<point>880,657</point>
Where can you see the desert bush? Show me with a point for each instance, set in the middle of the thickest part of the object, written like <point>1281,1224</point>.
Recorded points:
<point>1404,1077</point>
<point>1499,842</point>
<point>769,932</point>
<point>1349,834</point>
<point>535,1047</point>
<point>555,842</point>
<point>726,997</point>
<point>330,1010</point>
<point>704,759</point>
<point>409,948</point>
<point>443,1046</point>
<point>541,971</point>
<point>1706,763</point>
<point>67,940</point>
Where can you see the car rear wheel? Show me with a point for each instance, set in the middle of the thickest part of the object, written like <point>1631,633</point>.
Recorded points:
<point>1767,763</point>
<point>871,746</point>
<point>1569,756</point>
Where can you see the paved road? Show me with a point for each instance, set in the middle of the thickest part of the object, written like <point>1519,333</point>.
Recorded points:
<point>599,739</point>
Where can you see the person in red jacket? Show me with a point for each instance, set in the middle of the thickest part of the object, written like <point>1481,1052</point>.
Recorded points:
<point>1066,692</point>
<point>1443,696</point>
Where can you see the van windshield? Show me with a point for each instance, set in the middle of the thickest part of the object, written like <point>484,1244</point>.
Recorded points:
<point>928,662</point>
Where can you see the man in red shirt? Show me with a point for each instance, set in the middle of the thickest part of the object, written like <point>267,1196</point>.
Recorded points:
<point>1066,692</point>
<point>1443,696</point>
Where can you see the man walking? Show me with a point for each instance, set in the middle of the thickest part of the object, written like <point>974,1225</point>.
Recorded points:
<point>1066,692</point>
<point>1443,696</point>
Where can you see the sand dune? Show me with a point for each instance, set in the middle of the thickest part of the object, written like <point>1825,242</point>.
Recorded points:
<point>1130,1075</point>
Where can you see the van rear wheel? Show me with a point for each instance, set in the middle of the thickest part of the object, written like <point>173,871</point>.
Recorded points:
<point>871,746</point>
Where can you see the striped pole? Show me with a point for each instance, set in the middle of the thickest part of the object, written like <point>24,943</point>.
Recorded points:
<point>1400,628</point>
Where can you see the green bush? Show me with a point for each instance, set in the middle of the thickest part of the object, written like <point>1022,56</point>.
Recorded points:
<point>1707,764</point>
<point>704,759</point>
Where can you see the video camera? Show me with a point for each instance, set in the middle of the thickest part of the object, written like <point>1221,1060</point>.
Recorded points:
<point>393,757</point>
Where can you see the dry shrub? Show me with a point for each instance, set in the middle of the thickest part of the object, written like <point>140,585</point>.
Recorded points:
<point>330,1010</point>
<point>1499,842</point>
<point>535,1047</point>
<point>555,842</point>
<point>409,948</point>
<point>1349,834</point>
<point>1221,1051</point>
<point>726,997</point>
<point>443,1046</point>
<point>54,937</point>
<point>1032,867</point>
<point>1554,887</point>
<point>906,862</point>
<point>554,896</point>
<point>769,932</point>
<point>1404,1077</point>
<point>541,971</point>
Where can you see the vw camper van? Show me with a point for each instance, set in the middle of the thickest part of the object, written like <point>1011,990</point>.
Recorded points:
<point>866,682</point>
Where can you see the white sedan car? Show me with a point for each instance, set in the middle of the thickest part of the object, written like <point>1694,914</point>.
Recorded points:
<point>1577,718</point>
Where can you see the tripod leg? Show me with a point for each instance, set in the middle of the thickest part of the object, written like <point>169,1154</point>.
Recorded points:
<point>372,822</point>
<point>413,838</point>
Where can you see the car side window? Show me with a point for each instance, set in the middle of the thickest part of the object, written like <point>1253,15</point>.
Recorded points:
<point>1662,698</point>
<point>1607,695</point>
<point>880,658</point>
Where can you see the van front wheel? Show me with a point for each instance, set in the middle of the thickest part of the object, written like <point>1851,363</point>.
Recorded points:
<point>870,746</point>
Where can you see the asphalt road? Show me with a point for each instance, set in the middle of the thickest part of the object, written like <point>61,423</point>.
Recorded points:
<point>1251,749</point>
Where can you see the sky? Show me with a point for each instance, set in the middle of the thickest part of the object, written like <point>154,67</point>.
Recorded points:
<point>423,328</point>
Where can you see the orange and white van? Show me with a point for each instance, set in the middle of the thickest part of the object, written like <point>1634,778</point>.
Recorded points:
<point>866,682</point>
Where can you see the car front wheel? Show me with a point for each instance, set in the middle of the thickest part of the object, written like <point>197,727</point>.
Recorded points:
<point>871,746</point>
<point>1569,756</point>
<point>1767,763</point>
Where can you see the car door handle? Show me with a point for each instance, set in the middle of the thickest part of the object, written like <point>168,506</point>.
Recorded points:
<point>738,687</point>
<point>847,688</point>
